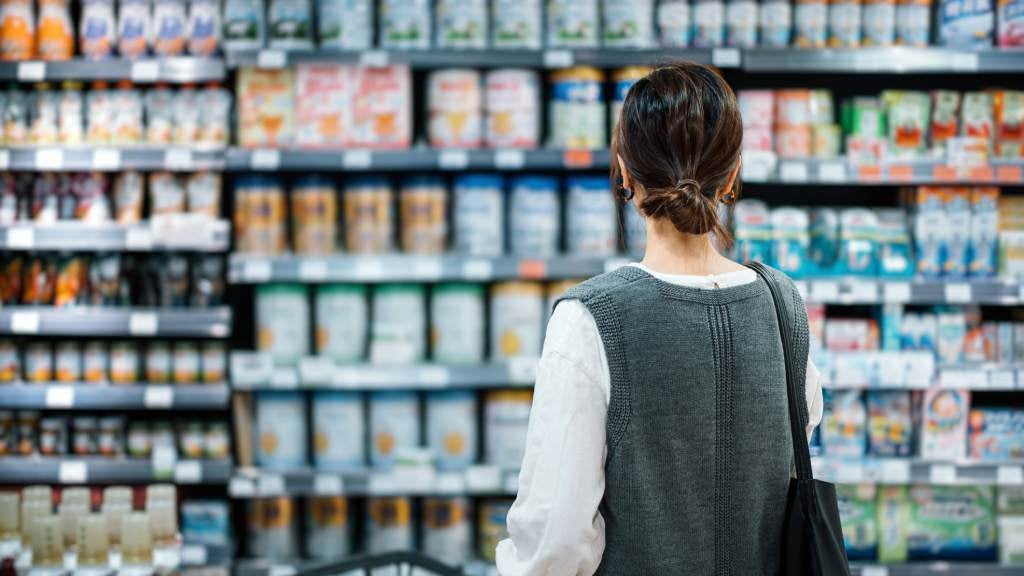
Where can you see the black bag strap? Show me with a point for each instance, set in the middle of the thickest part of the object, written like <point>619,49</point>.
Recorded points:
<point>798,428</point>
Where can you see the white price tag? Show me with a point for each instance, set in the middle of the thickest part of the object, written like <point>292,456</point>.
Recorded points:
<point>271,59</point>
<point>257,270</point>
<point>138,239</point>
<point>158,397</point>
<point>164,458</point>
<point>793,172</point>
<point>427,269</point>
<point>281,570</point>
<point>755,171</point>
<point>316,370</point>
<point>368,268</point>
<point>477,270</point>
<point>862,291</point>
<point>483,478</point>
<point>188,472</point>
<point>60,397</point>
<point>1009,475</point>
<point>145,71</point>
<point>522,370</point>
<point>143,323</point>
<point>725,57</point>
<point>49,159</point>
<point>509,159</point>
<point>433,376</point>
<point>896,292</point>
<point>357,160</point>
<point>374,58</point>
<point>328,485</point>
<point>895,471</point>
<point>270,485</point>
<point>31,71</point>
<point>832,172</point>
<point>5,159</point>
<point>240,487</point>
<point>21,238</point>
<point>265,159</point>
<point>25,322</point>
<point>313,270</point>
<point>942,474</point>
<point>72,473</point>
<point>193,555</point>
<point>874,571</point>
<point>824,291</point>
<point>384,483</point>
<point>453,159</point>
<point>965,62</point>
<point>558,59</point>
<point>106,159</point>
<point>450,483</point>
<point>284,379</point>
<point>958,293</point>
<point>178,159</point>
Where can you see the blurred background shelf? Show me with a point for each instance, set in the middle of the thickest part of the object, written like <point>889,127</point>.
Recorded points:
<point>480,480</point>
<point>361,160</point>
<point>147,70</point>
<point>917,470</point>
<point>883,60</point>
<point>121,321</point>
<point>71,470</point>
<point>213,236</point>
<point>100,158</point>
<point>88,396</point>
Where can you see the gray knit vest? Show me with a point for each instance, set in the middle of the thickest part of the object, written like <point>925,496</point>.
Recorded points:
<point>699,449</point>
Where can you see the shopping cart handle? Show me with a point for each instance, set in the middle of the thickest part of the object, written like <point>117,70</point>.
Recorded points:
<point>369,562</point>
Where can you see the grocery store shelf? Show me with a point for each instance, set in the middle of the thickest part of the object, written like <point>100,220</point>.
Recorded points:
<point>886,60</point>
<point>255,371</point>
<point>98,158</point>
<point>176,70</point>
<point>200,554</point>
<point>67,470</point>
<point>86,396</point>
<point>479,480</point>
<point>298,160</point>
<point>851,290</point>
<point>765,169</point>
<point>114,321</point>
<point>916,470</point>
<point>211,236</point>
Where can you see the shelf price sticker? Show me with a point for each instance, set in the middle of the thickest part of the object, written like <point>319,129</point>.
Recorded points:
<point>314,270</point>
<point>357,160</point>
<point>509,159</point>
<point>832,172</point>
<point>73,472</point>
<point>60,397</point>
<point>943,173</point>
<point>143,323</point>
<point>158,397</point>
<point>164,459</point>
<point>1009,174</point>
<point>433,376</point>
<point>270,485</point>
<point>5,159</point>
<point>21,238</point>
<point>282,570</point>
<point>427,269</point>
<point>188,472</point>
<point>965,62</point>
<point>145,71</point>
<point>453,159</point>
<point>450,483</point>
<point>533,269</point>
<point>895,471</point>
<point>328,485</point>
<point>896,292</point>
<point>265,159</point>
<point>368,268</point>
<point>901,172</point>
<point>522,370</point>
<point>271,59</point>
<point>793,172</point>
<point>874,571</point>
<point>942,474</point>
<point>1007,475</point>
<point>33,71</point>
<point>725,57</point>
<point>139,239</point>
<point>257,270</point>
<point>49,159</point>
<point>193,555</point>
<point>106,159</point>
<point>958,293</point>
<point>981,174</point>
<point>284,379</point>
<point>240,487</point>
<point>558,58</point>
<point>869,173</point>
<point>178,159</point>
<point>477,269</point>
<point>25,322</point>
<point>578,159</point>
<point>483,478</point>
<point>374,58</point>
<point>861,291</point>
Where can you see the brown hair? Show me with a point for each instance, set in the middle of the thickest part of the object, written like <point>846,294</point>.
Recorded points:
<point>680,135</point>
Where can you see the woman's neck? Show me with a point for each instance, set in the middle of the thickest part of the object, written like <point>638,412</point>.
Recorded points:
<point>672,252</point>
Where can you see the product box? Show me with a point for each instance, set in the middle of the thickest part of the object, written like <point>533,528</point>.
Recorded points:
<point>266,107</point>
<point>381,107</point>
<point>1004,352</point>
<point>919,332</point>
<point>894,245</point>
<point>753,231</point>
<point>843,424</point>
<point>858,513</point>
<point>908,113</point>
<point>824,249</point>
<point>893,510</point>
<point>790,240</point>
<point>951,523</point>
<point>1010,19</point>
<point>952,333</point>
<point>974,335</point>
<point>892,327</point>
<point>965,23</point>
<point>958,232</point>
<point>945,118</point>
<point>858,242</point>
<point>943,428</point>
<point>996,434</point>
<point>977,116</point>
<point>206,522</point>
<point>889,423</point>
<point>757,109</point>
<point>1009,116</point>
<point>983,248</point>
<point>931,231</point>
<point>1010,512</point>
<point>851,335</point>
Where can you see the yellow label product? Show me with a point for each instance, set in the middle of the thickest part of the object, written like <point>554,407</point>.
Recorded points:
<point>517,311</point>
<point>314,217</point>
<point>94,362</point>
<point>423,204</point>
<point>68,362</point>
<point>38,362</point>
<point>454,101</point>
<point>369,216</point>
<point>266,107</point>
<point>17,30</point>
<point>506,416</point>
<point>55,36</point>
<point>394,425</point>
<point>452,428</point>
<point>447,534</point>
<point>328,531</point>
<point>388,525</point>
<point>493,515</point>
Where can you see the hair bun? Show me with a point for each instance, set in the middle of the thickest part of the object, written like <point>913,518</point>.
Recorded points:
<point>688,186</point>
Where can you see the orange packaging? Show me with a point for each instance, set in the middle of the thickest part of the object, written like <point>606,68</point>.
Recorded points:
<point>792,107</point>
<point>793,141</point>
<point>323,94</point>
<point>17,30</point>
<point>55,35</point>
<point>1009,110</point>
<point>266,107</point>
<point>381,107</point>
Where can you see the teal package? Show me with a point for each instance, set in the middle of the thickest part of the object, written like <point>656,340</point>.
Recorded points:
<point>791,240</point>
<point>824,250</point>
<point>858,242</point>
<point>895,255</point>
<point>952,523</point>
<point>752,230</point>
<point>858,514</point>
<point>892,327</point>
<point>930,232</point>
<point>983,249</point>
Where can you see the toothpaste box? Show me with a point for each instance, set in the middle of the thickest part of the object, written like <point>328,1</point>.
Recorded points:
<point>843,424</point>
<point>966,23</point>
<point>893,510</point>
<point>996,434</point>
<point>889,423</point>
<point>943,429</point>
<point>858,513</point>
<point>974,336</point>
<point>930,231</point>
<point>983,252</point>
<point>951,523</point>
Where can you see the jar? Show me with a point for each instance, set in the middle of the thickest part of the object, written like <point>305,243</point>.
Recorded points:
<point>53,436</point>
<point>110,441</point>
<point>10,364</point>
<point>7,436</point>
<point>314,216</point>
<point>158,363</point>
<point>38,362</point>
<point>68,362</point>
<point>213,363</point>
<point>216,442</point>
<point>83,436</point>
<point>28,423</point>
<point>94,362</point>
<point>140,442</point>
<point>186,363</point>
<point>190,440</point>
<point>124,362</point>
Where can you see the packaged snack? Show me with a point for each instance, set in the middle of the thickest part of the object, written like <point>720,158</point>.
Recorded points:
<point>369,216</point>
<point>791,240</point>
<point>879,22</point>
<point>577,112</point>
<point>55,36</point>
<point>40,276</point>
<point>913,22</point>
<point>630,24</point>
<point>455,102</point>
<point>461,23</point>
<point>996,434</point>
<point>945,117</point>
<point>345,24</point>
<point>825,140</point>
<point>127,196</point>
<point>423,214</point>
<point>908,114</point>
<point>741,23</point>
<point>290,24</point>
<point>708,23</point>
<point>186,117</point>
<point>572,23</point>
<point>516,24</point>
<point>859,517</point>
<point>844,17</point>
<point>966,23</point>
<point>244,24</point>
<point>513,108</point>
<point>159,103</point>
<point>951,523</point>
<point>977,119</point>
<point>70,107</point>
<point>405,24</point>
<point>958,232</point>
<point>134,28</point>
<point>126,114</point>
<point>889,423</point>
<point>44,115</point>
<point>844,425</point>
<point>382,107</point>
<point>1010,17</point>
<point>203,28</point>
<point>943,432</point>
<point>314,216</point>
<point>675,23</point>
<point>166,194</point>
<point>266,107</point>
<point>811,23</point>
<point>1009,122</point>
<point>18,30</point>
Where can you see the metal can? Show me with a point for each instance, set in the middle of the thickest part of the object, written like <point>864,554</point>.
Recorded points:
<point>913,22</point>
<point>447,532</point>
<point>535,219</point>
<point>879,22</point>
<point>516,24</point>
<point>140,441</point>
<point>260,215</point>
<point>593,218</point>
<point>394,425</point>
<point>10,364</point>
<point>328,531</point>
<point>513,108</point>
<point>339,431</point>
<point>314,216</point>
<point>492,524</point>
<point>572,24</point>
<point>461,23</point>
<point>273,530</point>
<point>399,325</point>
<point>423,203</point>
<point>506,416</point>
<point>451,428</point>
<point>369,216</point>
<point>213,362</point>
<point>628,24</point>
<point>341,314</point>
<point>517,311</point>
<point>186,362</point>
<point>68,361</point>
<point>38,362</point>
<point>110,439</point>
<point>405,24</point>
<point>811,23</point>
<point>479,215</point>
<point>622,80</point>
<point>191,440</point>
<point>124,362</point>
<point>708,23</point>
<point>94,362</point>
<point>28,440</point>
<point>216,442</point>
<point>741,23</point>
<point>83,436</point>
<point>158,362</point>
<point>455,103</point>
<point>345,24</point>
<point>53,436</point>
<point>281,429</point>
<point>457,323</point>
<point>776,22</point>
<point>282,322</point>
<point>577,113</point>
<point>844,23</point>
<point>675,24</point>
<point>389,525</point>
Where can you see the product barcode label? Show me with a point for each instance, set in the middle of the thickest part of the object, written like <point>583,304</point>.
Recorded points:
<point>106,159</point>
<point>312,270</point>
<point>188,472</point>
<point>327,485</point>
<point>265,159</point>
<point>21,238</point>
<point>72,473</point>
<point>357,160</point>
<point>145,71</point>
<point>49,159</point>
<point>509,159</point>
<point>271,59</point>
<point>450,483</point>
<point>433,376</point>
<point>958,293</point>
<point>284,379</point>
<point>477,270</point>
<point>832,172</point>
<point>859,291</point>
<point>725,57</point>
<point>942,474</point>
<point>178,159</point>
<point>23,322</point>
<point>158,396</point>
<point>60,397</point>
<point>143,323</point>
<point>374,58</point>
<point>453,159</point>
<point>31,71</point>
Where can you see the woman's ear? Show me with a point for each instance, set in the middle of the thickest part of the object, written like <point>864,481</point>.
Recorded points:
<point>730,185</point>
<point>626,182</point>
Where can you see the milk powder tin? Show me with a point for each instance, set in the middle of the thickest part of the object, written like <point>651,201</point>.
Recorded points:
<point>461,23</point>
<point>38,362</point>
<point>314,216</point>
<point>290,24</point>
<point>479,215</point>
<point>534,217</point>
<point>776,21</point>
<point>134,28</point>
<point>622,80</point>
<point>451,428</point>
<point>628,24</point>
<point>345,24</point>
<point>394,425</point>
<point>516,24</point>
<point>124,362</point>
<point>423,208</point>
<point>281,429</point>
<point>10,364</point>
<point>879,22</point>
<point>592,217</point>
<point>259,215</point>
<point>913,22</point>
<point>811,19</point>
<point>186,363</point>
<point>708,23</point>
<point>341,322</point>
<point>339,425</point>
<point>674,23</point>
<point>492,524</point>
<point>328,531</point>
<point>572,24</point>
<point>513,108</point>
<point>405,24</point>
<point>94,362</point>
<point>169,23</point>
<point>844,17</point>
<point>369,216</point>
<point>273,528</point>
<point>457,323</point>
<point>158,362</point>
<point>741,23</point>
<point>389,525</point>
<point>282,322</point>
<point>96,28</point>
<point>577,109</point>
<point>447,532</point>
<point>398,332</point>
<point>517,312</point>
<point>243,24</point>
<point>213,362</point>
<point>455,104</point>
<point>68,362</point>
<point>506,416</point>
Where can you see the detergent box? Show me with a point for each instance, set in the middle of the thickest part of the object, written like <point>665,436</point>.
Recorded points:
<point>966,23</point>
<point>895,254</point>
<point>958,241</point>
<point>824,239</point>
<point>858,242</point>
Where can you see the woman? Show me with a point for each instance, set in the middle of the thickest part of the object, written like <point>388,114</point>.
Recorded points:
<point>659,440</point>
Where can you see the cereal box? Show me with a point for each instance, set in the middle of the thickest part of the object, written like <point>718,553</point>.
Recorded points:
<point>943,429</point>
<point>996,434</point>
<point>951,523</point>
<point>266,107</point>
<point>889,423</point>
<point>859,518</point>
<point>844,422</point>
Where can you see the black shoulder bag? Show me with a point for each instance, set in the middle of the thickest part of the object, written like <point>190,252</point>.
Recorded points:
<point>812,538</point>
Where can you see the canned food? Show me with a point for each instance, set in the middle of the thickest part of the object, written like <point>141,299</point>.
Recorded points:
<point>10,364</point>
<point>94,362</point>
<point>314,216</point>
<point>623,79</point>
<point>110,439</point>
<point>388,525</point>
<point>38,362</point>
<point>259,215</point>
<point>213,362</point>
<point>423,203</point>
<point>158,363</point>
<point>593,218</point>
<point>455,102</point>
<point>394,425</point>
<point>398,332</point>
<point>281,429</point>
<point>516,24</point>
<point>28,422</point>
<point>517,311</point>
<point>776,21</point>
<point>577,110</point>
<point>282,322</point>
<point>124,362</point>
<point>216,442</point>
<point>457,323</point>
<point>628,24</point>
<point>506,416</point>
<point>479,215</point>
<point>447,533</point>
<point>328,531</point>
<point>339,431</point>
<point>341,322</point>
<point>369,216</point>
<point>53,436</point>
<point>534,217</point>
<point>83,436</point>
<point>493,522</point>
<point>68,361</point>
<point>513,108</point>
<point>572,24</point>
<point>186,362</point>
<point>461,23</point>
<point>451,428</point>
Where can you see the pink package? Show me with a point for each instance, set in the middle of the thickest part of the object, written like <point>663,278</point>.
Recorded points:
<point>381,107</point>
<point>758,139</point>
<point>1010,15</point>
<point>757,108</point>
<point>323,95</point>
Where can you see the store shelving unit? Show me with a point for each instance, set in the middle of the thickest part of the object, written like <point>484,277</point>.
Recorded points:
<point>97,471</point>
<point>886,60</point>
<point>407,481</point>
<point>211,236</point>
<point>415,159</point>
<point>110,158</point>
<point>89,396</point>
<point>123,321</point>
<point>146,70</point>
<point>919,471</point>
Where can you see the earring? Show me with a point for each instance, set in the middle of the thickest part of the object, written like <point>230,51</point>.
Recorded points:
<point>729,199</point>
<point>627,193</point>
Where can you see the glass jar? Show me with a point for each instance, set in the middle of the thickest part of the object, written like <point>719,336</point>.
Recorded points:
<point>110,441</point>
<point>83,436</point>
<point>140,440</point>
<point>28,423</point>
<point>53,436</point>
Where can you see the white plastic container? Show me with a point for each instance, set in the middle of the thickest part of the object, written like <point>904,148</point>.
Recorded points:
<point>535,223</point>
<point>506,416</point>
<point>513,108</point>
<point>479,215</point>
<point>398,334</point>
<point>452,429</point>
<point>517,314</point>
<point>281,430</point>
<point>339,430</point>
<point>341,322</point>
<point>457,323</point>
<point>282,322</point>
<point>592,218</point>
<point>394,425</point>
<point>516,24</point>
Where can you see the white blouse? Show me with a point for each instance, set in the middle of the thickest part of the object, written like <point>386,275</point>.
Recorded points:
<point>555,528</point>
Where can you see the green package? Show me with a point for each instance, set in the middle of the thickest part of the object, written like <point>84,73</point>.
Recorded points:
<point>893,510</point>
<point>952,523</point>
<point>858,512</point>
<point>908,114</point>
